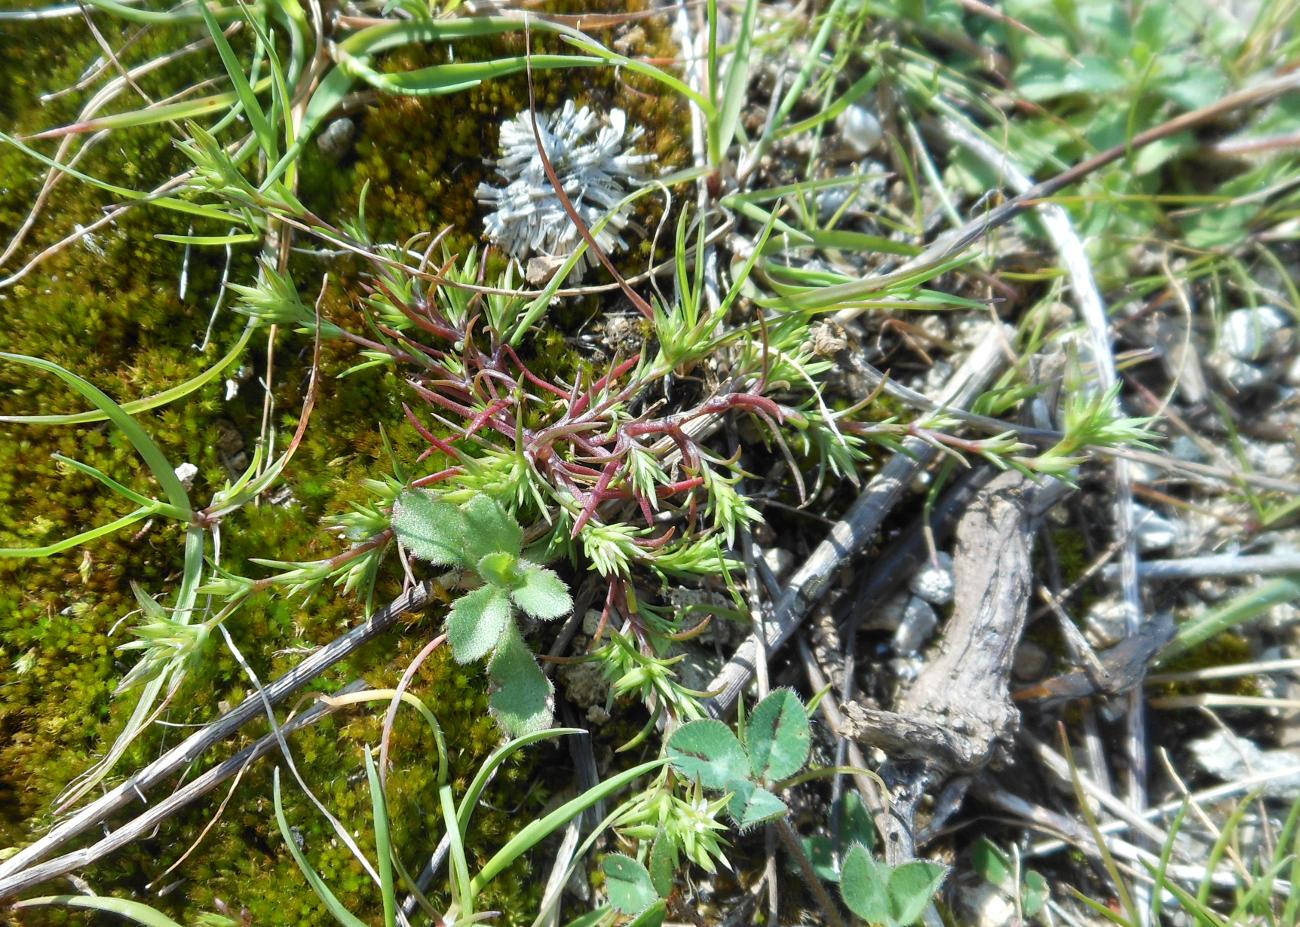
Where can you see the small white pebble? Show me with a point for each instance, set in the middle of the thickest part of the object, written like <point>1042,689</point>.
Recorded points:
<point>919,622</point>
<point>1107,623</point>
<point>778,560</point>
<point>1153,531</point>
<point>860,129</point>
<point>186,473</point>
<point>232,389</point>
<point>933,582</point>
<point>1241,375</point>
<point>1251,334</point>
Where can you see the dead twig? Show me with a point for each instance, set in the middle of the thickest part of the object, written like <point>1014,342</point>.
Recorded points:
<point>12,870</point>
<point>959,715</point>
<point>145,822</point>
<point>851,533</point>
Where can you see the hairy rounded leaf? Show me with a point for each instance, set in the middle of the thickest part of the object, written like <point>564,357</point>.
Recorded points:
<point>778,736</point>
<point>752,804</point>
<point>431,530</point>
<point>708,751</point>
<point>489,529</point>
<point>476,622</point>
<point>521,701</point>
<point>911,887</point>
<point>541,592</point>
<point>856,826</point>
<point>864,886</point>
<point>653,916</point>
<point>500,569</point>
<point>628,883</point>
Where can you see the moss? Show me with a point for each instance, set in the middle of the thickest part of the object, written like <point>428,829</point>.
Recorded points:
<point>1222,650</point>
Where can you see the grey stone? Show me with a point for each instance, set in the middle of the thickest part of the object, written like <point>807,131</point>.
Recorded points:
<point>1251,334</point>
<point>1184,448</point>
<point>986,905</point>
<point>860,129</point>
<point>1030,661</point>
<point>919,622</point>
<point>1230,757</point>
<point>336,141</point>
<point>933,582</point>
<point>1154,531</point>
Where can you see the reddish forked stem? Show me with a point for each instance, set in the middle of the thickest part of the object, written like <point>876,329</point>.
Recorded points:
<point>596,495</point>
<point>426,434</point>
<point>437,477</point>
<point>484,416</point>
<point>584,400</point>
<point>532,377</point>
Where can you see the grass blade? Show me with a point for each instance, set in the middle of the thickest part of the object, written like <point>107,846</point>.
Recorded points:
<point>247,97</point>
<point>723,125</point>
<point>148,402</point>
<point>383,842</point>
<point>131,910</point>
<point>541,828</point>
<point>144,445</point>
<point>335,907</point>
<point>76,540</point>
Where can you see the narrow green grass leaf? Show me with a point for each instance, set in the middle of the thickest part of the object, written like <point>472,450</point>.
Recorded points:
<point>538,830</point>
<point>1234,613</point>
<point>462,889</point>
<point>144,445</point>
<point>153,115</point>
<point>124,491</point>
<point>76,540</point>
<point>441,79</point>
<point>470,800</point>
<point>239,238</point>
<point>723,125</point>
<point>247,96</point>
<point>167,202</point>
<point>335,907</point>
<point>383,842</point>
<point>131,910</point>
<point>166,18</point>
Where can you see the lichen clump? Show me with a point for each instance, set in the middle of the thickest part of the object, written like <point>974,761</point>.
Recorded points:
<point>596,166</point>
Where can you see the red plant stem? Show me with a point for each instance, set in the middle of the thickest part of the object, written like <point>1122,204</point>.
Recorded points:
<point>584,400</point>
<point>532,377</point>
<point>428,435</point>
<point>437,477</point>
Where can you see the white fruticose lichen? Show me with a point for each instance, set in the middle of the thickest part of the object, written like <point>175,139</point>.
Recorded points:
<point>597,167</point>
